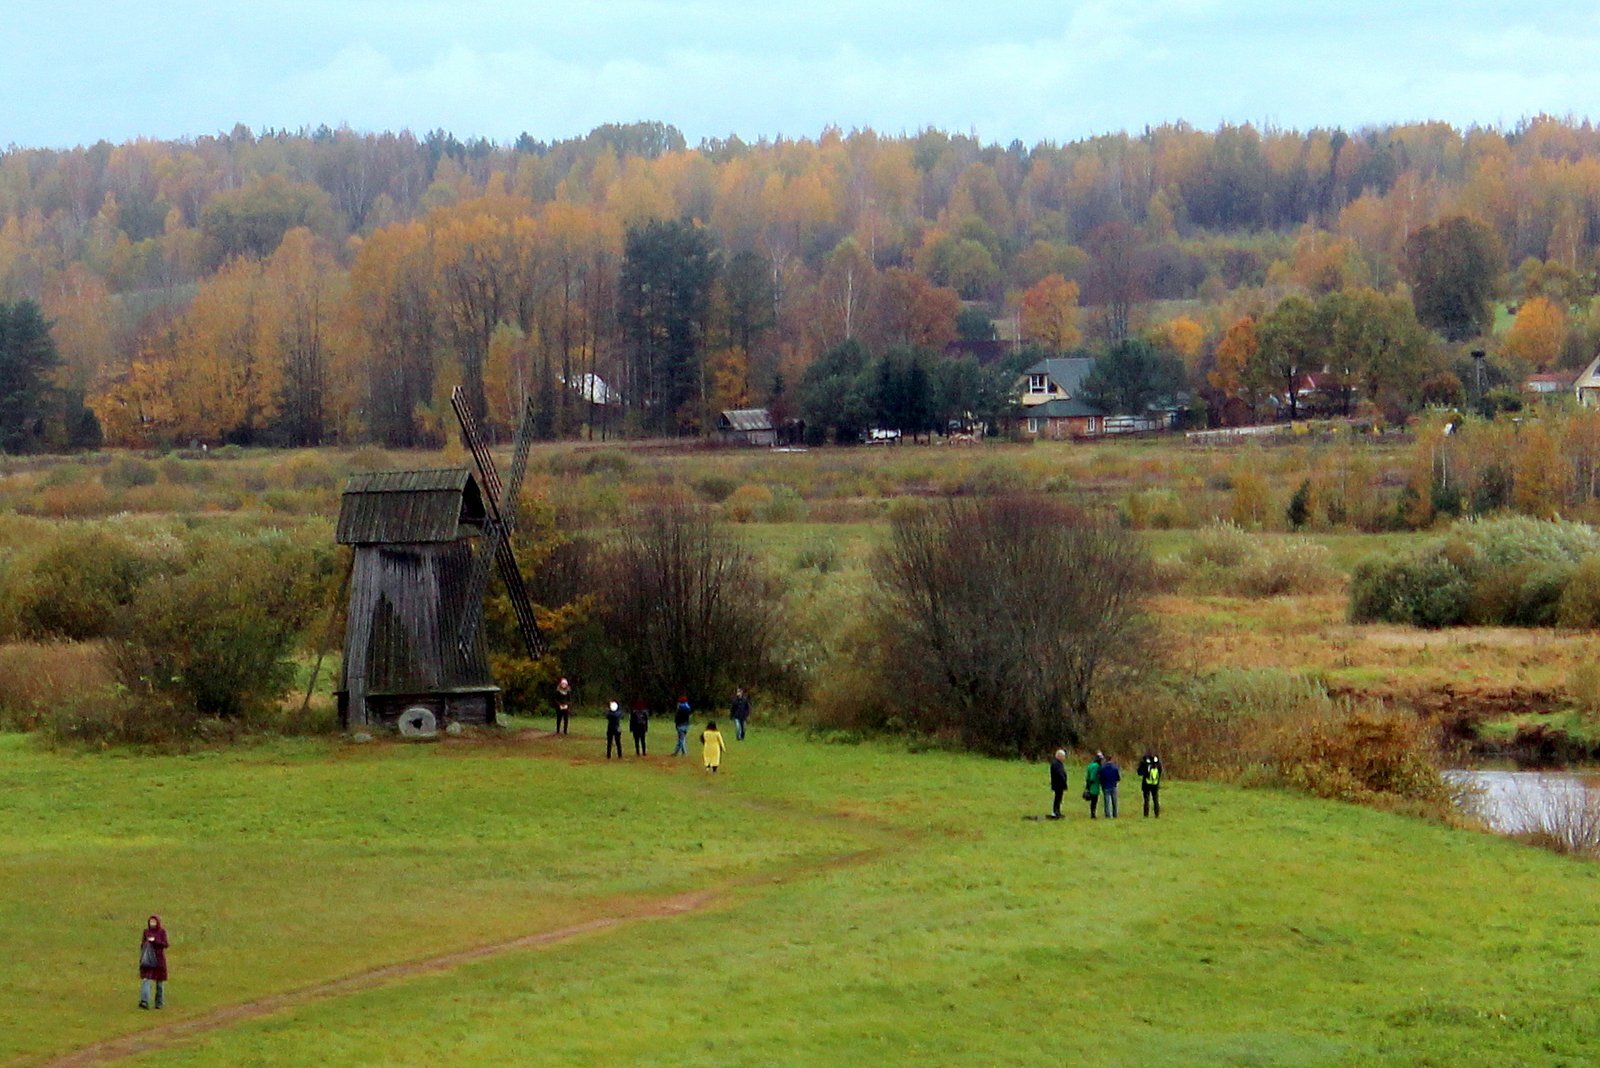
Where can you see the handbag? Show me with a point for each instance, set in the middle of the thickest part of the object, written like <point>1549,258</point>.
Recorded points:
<point>1088,795</point>
<point>147,955</point>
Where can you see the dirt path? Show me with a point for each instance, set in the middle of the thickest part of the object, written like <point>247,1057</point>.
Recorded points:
<point>166,1035</point>
<point>169,1034</point>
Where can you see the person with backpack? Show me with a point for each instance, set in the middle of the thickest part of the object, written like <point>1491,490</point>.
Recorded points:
<point>1091,783</point>
<point>563,705</point>
<point>740,712</point>
<point>639,726</point>
<point>680,720</point>
<point>1110,776</point>
<point>1150,782</point>
<point>1058,781</point>
<point>711,746</point>
<point>614,729</point>
<point>152,962</point>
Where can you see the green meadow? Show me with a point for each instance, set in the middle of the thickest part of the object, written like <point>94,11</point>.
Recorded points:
<point>813,904</point>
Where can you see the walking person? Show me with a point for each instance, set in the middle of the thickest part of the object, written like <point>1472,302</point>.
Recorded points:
<point>1110,776</point>
<point>614,729</point>
<point>1091,783</point>
<point>1058,781</point>
<point>740,712</point>
<point>1150,782</point>
<point>563,705</point>
<point>152,962</point>
<point>680,720</point>
<point>639,726</point>
<point>711,746</point>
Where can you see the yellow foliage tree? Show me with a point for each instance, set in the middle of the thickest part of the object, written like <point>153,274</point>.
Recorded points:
<point>728,371</point>
<point>1185,337</point>
<point>1536,335</point>
<point>1050,313</point>
<point>1541,474</point>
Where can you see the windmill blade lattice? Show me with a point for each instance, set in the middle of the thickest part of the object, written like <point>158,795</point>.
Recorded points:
<point>500,506</point>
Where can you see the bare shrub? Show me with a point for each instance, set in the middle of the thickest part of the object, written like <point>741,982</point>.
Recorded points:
<point>685,608</point>
<point>1559,816</point>
<point>997,620</point>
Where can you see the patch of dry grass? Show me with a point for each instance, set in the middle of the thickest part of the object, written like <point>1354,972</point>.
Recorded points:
<point>36,677</point>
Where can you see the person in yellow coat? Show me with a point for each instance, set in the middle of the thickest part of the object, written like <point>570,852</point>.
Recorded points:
<point>711,745</point>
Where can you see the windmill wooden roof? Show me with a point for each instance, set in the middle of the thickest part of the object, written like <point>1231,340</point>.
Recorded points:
<point>409,507</point>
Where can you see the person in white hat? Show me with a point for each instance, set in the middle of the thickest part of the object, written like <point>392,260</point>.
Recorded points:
<point>614,729</point>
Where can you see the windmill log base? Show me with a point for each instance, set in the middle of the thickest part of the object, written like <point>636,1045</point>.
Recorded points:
<point>469,706</point>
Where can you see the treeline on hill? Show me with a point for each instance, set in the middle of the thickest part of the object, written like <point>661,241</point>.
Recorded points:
<point>328,285</point>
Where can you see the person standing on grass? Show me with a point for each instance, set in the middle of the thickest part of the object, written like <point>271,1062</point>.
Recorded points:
<point>152,962</point>
<point>740,712</point>
<point>639,726</point>
<point>1058,781</point>
<point>614,729</point>
<point>711,745</point>
<point>1091,783</point>
<point>1150,782</point>
<point>1110,776</point>
<point>680,720</point>
<point>563,705</point>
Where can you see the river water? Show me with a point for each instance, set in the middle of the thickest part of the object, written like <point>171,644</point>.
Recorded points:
<point>1513,801</point>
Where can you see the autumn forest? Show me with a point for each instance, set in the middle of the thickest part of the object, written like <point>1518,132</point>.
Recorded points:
<point>333,286</point>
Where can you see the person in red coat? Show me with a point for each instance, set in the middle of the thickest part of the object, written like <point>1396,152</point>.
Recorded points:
<point>152,961</point>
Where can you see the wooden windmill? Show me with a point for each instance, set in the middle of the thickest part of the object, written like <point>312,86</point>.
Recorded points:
<point>414,655</point>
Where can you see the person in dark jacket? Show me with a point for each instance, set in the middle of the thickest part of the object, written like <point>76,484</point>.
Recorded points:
<point>1150,782</point>
<point>152,962</point>
<point>1058,781</point>
<point>614,729</point>
<point>680,720</point>
<point>563,706</point>
<point>639,726</point>
<point>740,712</point>
<point>1110,776</point>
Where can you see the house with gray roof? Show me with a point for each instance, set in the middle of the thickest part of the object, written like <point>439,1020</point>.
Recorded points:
<point>1053,405</point>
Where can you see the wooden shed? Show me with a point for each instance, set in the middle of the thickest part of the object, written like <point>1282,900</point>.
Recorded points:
<point>746,426</point>
<point>410,587</point>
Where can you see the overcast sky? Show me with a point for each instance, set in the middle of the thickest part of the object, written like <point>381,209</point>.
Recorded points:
<point>77,71</point>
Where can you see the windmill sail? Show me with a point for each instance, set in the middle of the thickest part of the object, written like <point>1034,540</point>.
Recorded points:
<point>500,504</point>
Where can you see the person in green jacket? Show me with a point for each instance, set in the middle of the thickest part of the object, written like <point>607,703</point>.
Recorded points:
<point>1091,783</point>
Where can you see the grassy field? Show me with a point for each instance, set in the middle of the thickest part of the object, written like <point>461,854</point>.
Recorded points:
<point>858,902</point>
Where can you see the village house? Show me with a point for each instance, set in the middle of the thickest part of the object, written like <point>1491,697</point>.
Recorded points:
<point>1550,385</point>
<point>1048,392</point>
<point>1588,384</point>
<point>1052,405</point>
